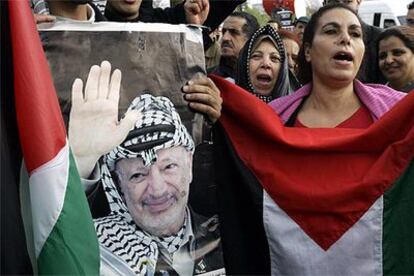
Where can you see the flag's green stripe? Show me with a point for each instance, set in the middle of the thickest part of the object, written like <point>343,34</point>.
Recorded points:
<point>72,246</point>
<point>398,235</point>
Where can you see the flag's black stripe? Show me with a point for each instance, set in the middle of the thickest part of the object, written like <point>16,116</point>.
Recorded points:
<point>240,198</point>
<point>14,257</point>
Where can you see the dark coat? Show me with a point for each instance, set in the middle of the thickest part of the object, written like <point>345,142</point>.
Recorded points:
<point>227,68</point>
<point>148,14</point>
<point>219,10</point>
<point>207,243</point>
<point>369,71</point>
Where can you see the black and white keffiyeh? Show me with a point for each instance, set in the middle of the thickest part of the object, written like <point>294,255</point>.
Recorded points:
<point>160,127</point>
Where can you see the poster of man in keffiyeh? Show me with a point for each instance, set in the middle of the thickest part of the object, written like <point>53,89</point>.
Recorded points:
<point>138,187</point>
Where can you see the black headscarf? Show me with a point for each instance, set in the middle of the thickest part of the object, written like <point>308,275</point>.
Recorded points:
<point>282,86</point>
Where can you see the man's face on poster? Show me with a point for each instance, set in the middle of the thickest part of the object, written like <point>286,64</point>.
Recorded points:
<point>157,195</point>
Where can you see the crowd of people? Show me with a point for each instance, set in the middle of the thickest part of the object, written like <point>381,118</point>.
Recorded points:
<point>325,73</point>
<point>229,31</point>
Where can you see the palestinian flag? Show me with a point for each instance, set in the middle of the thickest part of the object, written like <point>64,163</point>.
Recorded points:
<point>62,232</point>
<point>12,233</point>
<point>297,201</point>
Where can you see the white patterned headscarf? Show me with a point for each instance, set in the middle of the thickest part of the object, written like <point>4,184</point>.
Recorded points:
<point>159,128</point>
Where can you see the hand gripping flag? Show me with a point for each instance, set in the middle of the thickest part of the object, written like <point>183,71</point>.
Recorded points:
<point>63,233</point>
<point>297,201</point>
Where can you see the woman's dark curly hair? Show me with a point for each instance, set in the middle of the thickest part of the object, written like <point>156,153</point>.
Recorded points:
<point>304,67</point>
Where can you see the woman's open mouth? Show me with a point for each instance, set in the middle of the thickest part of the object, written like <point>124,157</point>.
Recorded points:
<point>343,58</point>
<point>264,79</point>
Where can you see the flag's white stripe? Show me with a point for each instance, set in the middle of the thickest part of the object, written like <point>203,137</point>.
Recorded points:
<point>47,193</point>
<point>293,252</point>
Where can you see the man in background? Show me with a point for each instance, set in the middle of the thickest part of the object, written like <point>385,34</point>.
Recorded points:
<point>300,26</point>
<point>237,29</point>
<point>274,23</point>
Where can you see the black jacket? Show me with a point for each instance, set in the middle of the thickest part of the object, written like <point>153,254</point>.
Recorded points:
<point>148,14</point>
<point>227,68</point>
<point>219,10</point>
<point>207,245</point>
<point>369,71</point>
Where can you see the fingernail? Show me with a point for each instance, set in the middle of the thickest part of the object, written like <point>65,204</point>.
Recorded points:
<point>185,88</point>
<point>190,82</point>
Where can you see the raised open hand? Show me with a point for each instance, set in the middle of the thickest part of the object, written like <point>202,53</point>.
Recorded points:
<point>94,129</point>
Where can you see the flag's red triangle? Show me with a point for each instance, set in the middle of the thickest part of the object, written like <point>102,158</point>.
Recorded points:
<point>41,129</point>
<point>324,179</point>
